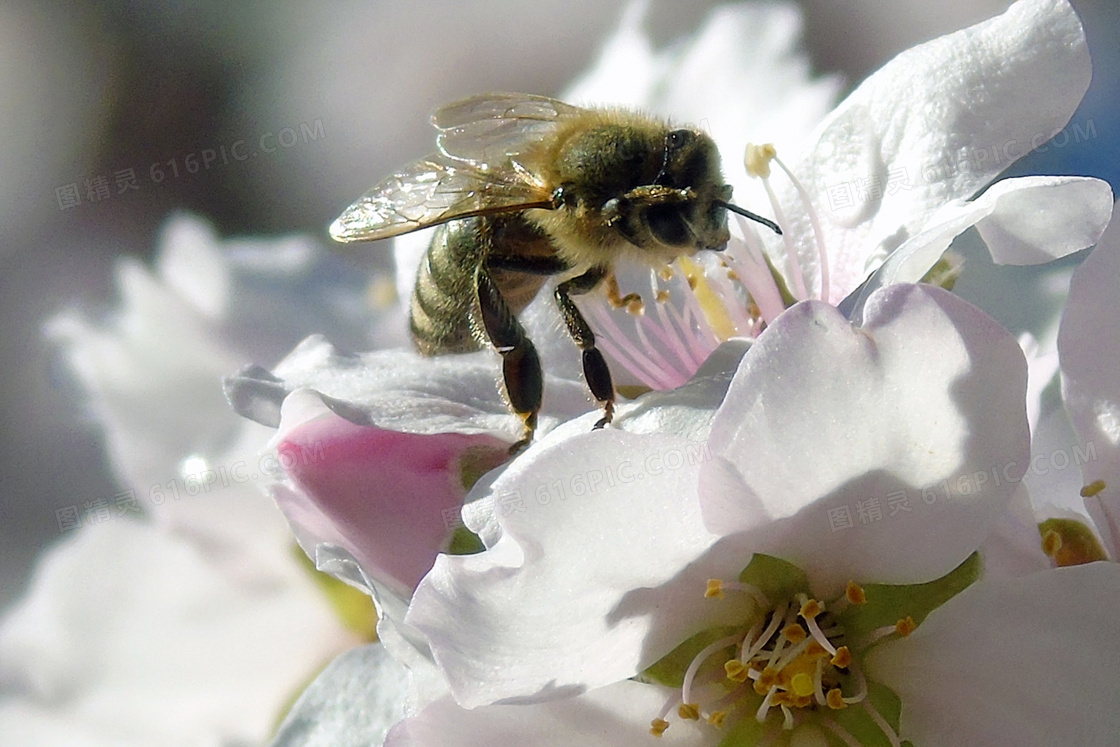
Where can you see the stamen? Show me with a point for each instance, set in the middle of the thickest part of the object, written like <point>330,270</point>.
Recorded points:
<point>841,733</point>
<point>881,722</point>
<point>754,273</point>
<point>905,626</point>
<point>658,726</point>
<point>689,711</point>
<point>815,222</point>
<point>1051,544</point>
<point>842,659</point>
<point>835,699</point>
<point>855,593</point>
<point>1093,489</point>
<point>809,612</point>
<point>710,305</point>
<point>717,718</point>
<point>754,162</point>
<point>698,660</point>
<point>716,588</point>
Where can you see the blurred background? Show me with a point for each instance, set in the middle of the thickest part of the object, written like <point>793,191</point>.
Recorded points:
<point>268,119</point>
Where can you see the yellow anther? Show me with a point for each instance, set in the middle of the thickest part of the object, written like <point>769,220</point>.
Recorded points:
<point>905,626</point>
<point>795,633</point>
<point>732,275</point>
<point>662,296</point>
<point>1093,488</point>
<point>758,158</point>
<point>735,670</point>
<point>717,718</point>
<point>1051,544</point>
<point>811,609</point>
<point>842,659</point>
<point>666,273</point>
<point>690,711</point>
<point>801,684</point>
<point>714,590</point>
<point>835,699</point>
<point>767,679</point>
<point>658,726</point>
<point>635,306</point>
<point>855,593</point>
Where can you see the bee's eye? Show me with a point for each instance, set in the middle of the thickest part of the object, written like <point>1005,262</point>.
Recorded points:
<point>678,138</point>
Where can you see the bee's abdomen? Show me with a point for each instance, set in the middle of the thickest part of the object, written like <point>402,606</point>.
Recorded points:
<point>446,294</point>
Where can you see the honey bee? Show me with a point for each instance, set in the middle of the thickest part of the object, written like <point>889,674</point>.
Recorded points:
<point>525,187</point>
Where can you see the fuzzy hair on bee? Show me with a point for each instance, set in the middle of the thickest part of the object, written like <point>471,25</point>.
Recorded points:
<point>523,188</point>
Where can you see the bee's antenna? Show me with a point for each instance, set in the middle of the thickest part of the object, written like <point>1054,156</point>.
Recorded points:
<point>748,214</point>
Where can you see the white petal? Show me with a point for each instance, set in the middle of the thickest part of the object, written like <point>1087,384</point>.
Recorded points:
<point>400,391</point>
<point>923,406</point>
<point>1023,661</point>
<point>353,703</point>
<point>1025,220</point>
<point>133,632</point>
<point>616,715</point>
<point>937,123</point>
<point>587,584</point>
<point>1089,349</point>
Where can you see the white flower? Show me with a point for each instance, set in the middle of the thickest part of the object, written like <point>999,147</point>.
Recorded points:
<point>178,613</point>
<point>906,429</point>
<point>902,167</point>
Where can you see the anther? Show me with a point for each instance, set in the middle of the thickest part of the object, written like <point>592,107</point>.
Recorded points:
<point>658,726</point>
<point>690,711</point>
<point>835,699</point>
<point>855,593</point>
<point>1094,488</point>
<point>905,626</point>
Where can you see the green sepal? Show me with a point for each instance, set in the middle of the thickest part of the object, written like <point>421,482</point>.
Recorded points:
<point>888,603</point>
<point>352,606</point>
<point>669,669</point>
<point>775,578</point>
<point>464,542</point>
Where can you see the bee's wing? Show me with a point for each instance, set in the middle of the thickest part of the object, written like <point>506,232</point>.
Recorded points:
<point>434,190</point>
<point>493,129</point>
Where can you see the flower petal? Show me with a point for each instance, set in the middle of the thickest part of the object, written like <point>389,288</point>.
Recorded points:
<point>1022,661</point>
<point>1089,349</point>
<point>586,585</point>
<point>828,425</point>
<point>135,633</point>
<point>938,123</point>
<point>606,717</point>
<point>391,499</point>
<point>400,391</point>
<point>1025,220</point>
<point>353,703</point>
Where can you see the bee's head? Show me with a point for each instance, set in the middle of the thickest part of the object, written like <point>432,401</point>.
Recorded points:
<point>690,161</point>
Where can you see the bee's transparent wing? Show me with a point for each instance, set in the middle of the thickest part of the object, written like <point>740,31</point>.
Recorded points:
<point>434,190</point>
<point>494,129</point>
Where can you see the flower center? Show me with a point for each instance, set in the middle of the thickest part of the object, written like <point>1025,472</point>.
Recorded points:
<point>699,302</point>
<point>791,670</point>
<point>792,659</point>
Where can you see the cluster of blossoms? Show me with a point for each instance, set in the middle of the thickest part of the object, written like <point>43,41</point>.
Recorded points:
<point>678,577</point>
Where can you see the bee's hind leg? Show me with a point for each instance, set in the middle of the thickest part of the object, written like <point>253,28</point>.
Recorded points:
<point>522,375</point>
<point>595,369</point>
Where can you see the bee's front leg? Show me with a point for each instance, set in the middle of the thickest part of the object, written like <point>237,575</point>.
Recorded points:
<point>595,369</point>
<point>522,375</point>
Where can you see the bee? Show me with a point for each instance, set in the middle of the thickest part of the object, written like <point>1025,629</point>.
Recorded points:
<point>523,188</point>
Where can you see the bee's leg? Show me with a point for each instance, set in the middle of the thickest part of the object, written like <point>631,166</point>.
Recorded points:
<point>521,366</point>
<point>595,369</point>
